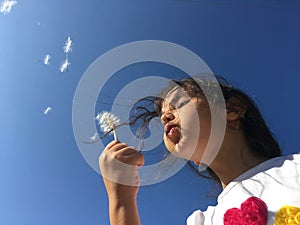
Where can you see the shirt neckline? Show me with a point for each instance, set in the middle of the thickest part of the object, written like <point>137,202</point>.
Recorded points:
<point>268,164</point>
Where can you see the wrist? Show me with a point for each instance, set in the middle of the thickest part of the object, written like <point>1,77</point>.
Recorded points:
<point>123,211</point>
<point>122,198</point>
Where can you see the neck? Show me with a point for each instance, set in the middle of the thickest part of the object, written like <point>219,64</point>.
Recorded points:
<point>234,159</point>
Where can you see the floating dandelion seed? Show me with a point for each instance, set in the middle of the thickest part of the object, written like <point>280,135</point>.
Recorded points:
<point>95,137</point>
<point>46,59</point>
<point>64,65</point>
<point>47,110</point>
<point>67,46</point>
<point>6,6</point>
<point>108,122</point>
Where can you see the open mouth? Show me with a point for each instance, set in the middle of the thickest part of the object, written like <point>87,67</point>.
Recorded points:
<point>172,132</point>
<point>169,128</point>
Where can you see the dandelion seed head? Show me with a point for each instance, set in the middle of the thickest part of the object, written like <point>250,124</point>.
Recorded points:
<point>107,121</point>
<point>6,6</point>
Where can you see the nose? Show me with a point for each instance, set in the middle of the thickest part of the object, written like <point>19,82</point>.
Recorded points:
<point>167,117</point>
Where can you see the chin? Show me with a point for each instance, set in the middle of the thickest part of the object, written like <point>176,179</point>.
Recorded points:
<point>169,145</point>
<point>181,149</point>
<point>171,148</point>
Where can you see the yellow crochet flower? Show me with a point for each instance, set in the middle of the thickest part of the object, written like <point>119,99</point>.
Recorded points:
<point>288,215</point>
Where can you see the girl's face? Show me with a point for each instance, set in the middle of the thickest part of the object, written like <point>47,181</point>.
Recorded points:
<point>180,116</point>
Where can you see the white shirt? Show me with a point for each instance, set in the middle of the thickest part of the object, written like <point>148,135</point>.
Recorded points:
<point>276,182</point>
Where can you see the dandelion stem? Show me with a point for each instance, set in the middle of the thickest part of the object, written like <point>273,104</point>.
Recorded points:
<point>115,134</point>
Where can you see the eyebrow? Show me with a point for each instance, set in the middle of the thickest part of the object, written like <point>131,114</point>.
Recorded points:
<point>178,95</point>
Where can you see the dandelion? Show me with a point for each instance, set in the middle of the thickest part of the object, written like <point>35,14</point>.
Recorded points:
<point>46,59</point>
<point>64,65</point>
<point>46,111</point>
<point>67,46</point>
<point>6,6</point>
<point>108,122</point>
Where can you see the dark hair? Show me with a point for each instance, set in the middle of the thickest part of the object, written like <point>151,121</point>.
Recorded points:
<point>257,133</point>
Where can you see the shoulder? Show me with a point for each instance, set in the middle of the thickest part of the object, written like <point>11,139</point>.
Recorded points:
<point>197,217</point>
<point>275,183</point>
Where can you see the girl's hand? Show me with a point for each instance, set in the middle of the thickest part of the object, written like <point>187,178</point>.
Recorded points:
<point>119,168</point>
<point>119,165</point>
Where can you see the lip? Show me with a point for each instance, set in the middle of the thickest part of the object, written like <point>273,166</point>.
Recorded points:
<point>168,127</point>
<point>172,132</point>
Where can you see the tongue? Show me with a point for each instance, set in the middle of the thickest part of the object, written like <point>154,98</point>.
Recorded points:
<point>174,135</point>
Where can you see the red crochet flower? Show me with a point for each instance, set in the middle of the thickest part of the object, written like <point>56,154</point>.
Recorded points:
<point>253,212</point>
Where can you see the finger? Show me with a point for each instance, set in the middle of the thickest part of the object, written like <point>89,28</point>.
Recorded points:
<point>110,145</point>
<point>118,146</point>
<point>135,159</point>
<point>127,151</point>
<point>124,153</point>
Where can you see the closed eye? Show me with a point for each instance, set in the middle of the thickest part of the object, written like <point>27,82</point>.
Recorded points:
<point>181,104</point>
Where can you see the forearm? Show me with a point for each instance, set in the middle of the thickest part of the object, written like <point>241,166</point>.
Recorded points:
<point>122,197</point>
<point>123,212</point>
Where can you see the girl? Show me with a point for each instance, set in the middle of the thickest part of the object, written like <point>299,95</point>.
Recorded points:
<point>259,185</point>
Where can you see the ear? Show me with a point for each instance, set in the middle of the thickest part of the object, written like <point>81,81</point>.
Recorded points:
<point>235,109</point>
<point>232,116</point>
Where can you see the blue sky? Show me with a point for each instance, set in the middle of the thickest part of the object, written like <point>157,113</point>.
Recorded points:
<point>44,178</point>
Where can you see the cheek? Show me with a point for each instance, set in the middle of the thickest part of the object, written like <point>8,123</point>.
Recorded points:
<point>190,131</point>
<point>196,127</point>
<point>205,124</point>
<point>205,129</point>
